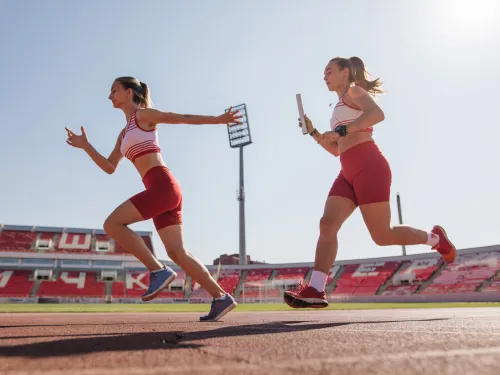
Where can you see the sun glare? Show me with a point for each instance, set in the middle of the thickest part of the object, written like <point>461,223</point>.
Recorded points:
<point>468,14</point>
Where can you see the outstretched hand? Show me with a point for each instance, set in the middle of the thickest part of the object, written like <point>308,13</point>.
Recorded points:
<point>230,117</point>
<point>78,141</point>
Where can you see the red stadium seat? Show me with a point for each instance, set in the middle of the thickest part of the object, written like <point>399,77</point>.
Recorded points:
<point>364,279</point>
<point>493,287</point>
<point>466,274</point>
<point>291,276</point>
<point>11,240</point>
<point>67,243</point>
<point>228,280</point>
<point>400,290</point>
<point>40,248</point>
<point>15,283</point>
<point>257,276</point>
<point>73,284</point>
<point>421,269</point>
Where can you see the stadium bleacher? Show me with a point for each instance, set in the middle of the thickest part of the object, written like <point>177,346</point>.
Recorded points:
<point>421,269</point>
<point>15,283</point>
<point>197,292</point>
<point>364,279</point>
<point>118,289</point>
<point>290,276</point>
<point>72,284</point>
<point>399,290</point>
<point>466,274</point>
<point>12,240</point>
<point>495,284</point>
<point>228,280</point>
<point>254,285</point>
<point>60,241</point>
<point>413,272</point>
<point>257,277</point>
<point>76,259</point>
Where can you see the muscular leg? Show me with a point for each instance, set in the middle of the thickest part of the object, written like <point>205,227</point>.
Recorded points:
<point>116,227</point>
<point>337,210</point>
<point>340,204</point>
<point>172,238</point>
<point>377,217</point>
<point>372,188</point>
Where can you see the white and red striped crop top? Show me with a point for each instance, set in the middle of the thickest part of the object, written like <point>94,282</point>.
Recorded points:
<point>344,114</point>
<point>138,142</point>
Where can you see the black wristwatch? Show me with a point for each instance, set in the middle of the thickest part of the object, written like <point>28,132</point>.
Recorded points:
<point>341,129</point>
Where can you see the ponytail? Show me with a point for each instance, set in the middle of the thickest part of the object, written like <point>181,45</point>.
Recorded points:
<point>145,98</point>
<point>360,74</point>
<point>140,89</point>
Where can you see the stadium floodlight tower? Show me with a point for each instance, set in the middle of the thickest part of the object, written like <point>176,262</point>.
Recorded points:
<point>239,137</point>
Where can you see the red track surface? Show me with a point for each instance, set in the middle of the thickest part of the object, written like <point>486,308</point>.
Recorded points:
<point>440,341</point>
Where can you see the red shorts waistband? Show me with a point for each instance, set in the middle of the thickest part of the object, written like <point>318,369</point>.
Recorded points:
<point>158,173</point>
<point>360,148</point>
<point>360,156</point>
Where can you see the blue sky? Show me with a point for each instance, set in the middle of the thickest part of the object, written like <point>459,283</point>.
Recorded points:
<point>439,61</point>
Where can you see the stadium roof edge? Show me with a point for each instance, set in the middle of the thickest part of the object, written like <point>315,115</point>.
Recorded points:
<point>34,228</point>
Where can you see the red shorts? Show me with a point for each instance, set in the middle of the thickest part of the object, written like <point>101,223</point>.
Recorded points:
<point>365,176</point>
<point>162,199</point>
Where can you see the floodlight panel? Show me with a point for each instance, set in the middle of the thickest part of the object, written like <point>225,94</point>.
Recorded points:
<point>239,134</point>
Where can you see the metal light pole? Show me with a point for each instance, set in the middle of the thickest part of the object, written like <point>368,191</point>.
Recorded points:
<point>239,137</point>
<point>400,214</point>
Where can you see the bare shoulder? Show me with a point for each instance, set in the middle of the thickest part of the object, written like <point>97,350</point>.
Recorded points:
<point>356,92</point>
<point>146,118</point>
<point>146,112</point>
<point>143,114</point>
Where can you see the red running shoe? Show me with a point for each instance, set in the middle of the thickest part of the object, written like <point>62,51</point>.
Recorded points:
<point>444,247</point>
<point>305,297</point>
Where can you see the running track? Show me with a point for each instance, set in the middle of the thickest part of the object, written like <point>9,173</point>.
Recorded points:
<point>420,341</point>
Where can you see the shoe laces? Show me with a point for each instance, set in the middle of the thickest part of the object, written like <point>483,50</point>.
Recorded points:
<point>301,286</point>
<point>152,277</point>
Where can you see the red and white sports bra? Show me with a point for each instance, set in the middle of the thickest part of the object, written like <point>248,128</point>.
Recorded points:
<point>138,142</point>
<point>344,114</point>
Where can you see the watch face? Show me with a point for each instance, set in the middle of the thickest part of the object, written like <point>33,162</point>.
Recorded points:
<point>341,129</point>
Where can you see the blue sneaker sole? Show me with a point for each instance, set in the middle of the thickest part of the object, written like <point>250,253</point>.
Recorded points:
<point>163,286</point>
<point>224,312</point>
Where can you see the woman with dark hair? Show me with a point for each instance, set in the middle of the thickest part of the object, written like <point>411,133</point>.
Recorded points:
<point>162,199</point>
<point>364,180</point>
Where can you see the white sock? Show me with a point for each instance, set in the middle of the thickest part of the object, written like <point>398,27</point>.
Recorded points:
<point>318,280</point>
<point>432,239</point>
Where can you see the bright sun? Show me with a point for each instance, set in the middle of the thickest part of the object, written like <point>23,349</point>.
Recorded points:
<point>473,14</point>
